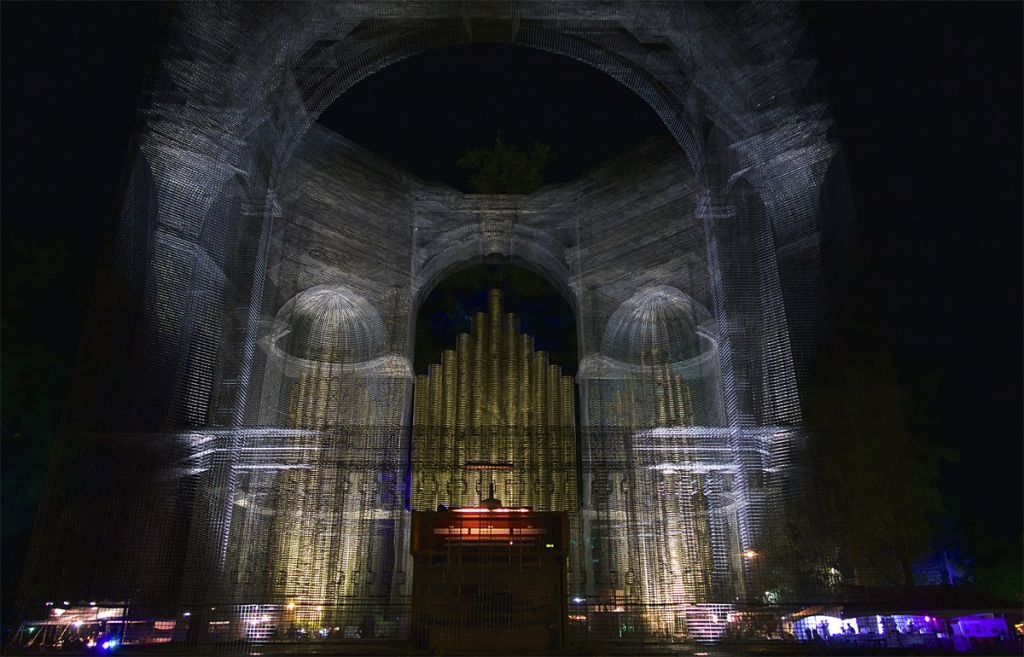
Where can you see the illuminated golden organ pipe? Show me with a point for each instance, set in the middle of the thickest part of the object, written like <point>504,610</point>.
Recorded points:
<point>323,546</point>
<point>659,553</point>
<point>660,502</point>
<point>508,418</point>
<point>319,507</point>
<point>478,330</point>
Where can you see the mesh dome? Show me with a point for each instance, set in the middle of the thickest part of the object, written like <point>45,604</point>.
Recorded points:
<point>658,324</point>
<point>333,323</point>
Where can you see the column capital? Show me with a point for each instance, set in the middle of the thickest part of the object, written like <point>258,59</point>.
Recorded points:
<point>712,206</point>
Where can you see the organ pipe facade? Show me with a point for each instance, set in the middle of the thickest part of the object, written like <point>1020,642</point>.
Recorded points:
<point>494,412</point>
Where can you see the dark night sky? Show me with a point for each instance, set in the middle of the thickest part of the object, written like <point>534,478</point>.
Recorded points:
<point>585,116</point>
<point>450,306</point>
<point>927,102</point>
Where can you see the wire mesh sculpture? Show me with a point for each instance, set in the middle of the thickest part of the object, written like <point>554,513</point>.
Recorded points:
<point>254,435</point>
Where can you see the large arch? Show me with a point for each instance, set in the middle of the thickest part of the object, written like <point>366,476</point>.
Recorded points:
<point>619,64</point>
<point>294,62</point>
<point>493,271</point>
<point>513,260</point>
<point>289,62</point>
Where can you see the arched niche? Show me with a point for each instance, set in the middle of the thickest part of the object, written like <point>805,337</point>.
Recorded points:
<point>467,284</point>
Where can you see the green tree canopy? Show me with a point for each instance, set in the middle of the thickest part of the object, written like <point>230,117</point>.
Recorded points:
<point>505,169</point>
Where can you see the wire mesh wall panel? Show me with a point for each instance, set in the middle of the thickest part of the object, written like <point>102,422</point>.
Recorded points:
<point>245,465</point>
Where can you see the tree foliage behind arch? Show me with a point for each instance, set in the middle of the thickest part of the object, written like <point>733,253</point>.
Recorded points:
<point>504,168</point>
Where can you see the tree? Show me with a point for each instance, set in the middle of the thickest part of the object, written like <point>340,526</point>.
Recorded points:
<point>505,169</point>
<point>879,478</point>
<point>875,468</point>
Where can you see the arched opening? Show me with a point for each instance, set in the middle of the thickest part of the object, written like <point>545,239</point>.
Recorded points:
<point>494,429</point>
<point>465,95</point>
<point>495,360</point>
<point>448,309</point>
